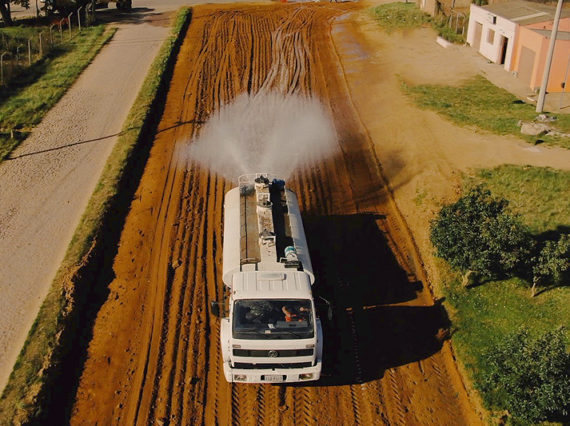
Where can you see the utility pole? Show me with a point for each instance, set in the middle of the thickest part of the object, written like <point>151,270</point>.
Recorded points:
<point>547,65</point>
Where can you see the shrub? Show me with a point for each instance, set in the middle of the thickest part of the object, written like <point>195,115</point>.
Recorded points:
<point>477,234</point>
<point>530,377</point>
<point>552,263</point>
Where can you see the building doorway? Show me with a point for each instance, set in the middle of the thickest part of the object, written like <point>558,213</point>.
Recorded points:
<point>477,37</point>
<point>504,47</point>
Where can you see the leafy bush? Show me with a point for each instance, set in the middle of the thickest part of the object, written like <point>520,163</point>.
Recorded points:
<point>477,234</point>
<point>449,34</point>
<point>553,262</point>
<point>529,377</point>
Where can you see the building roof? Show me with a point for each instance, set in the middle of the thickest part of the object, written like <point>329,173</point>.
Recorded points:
<point>524,12</point>
<point>561,35</point>
<point>271,285</point>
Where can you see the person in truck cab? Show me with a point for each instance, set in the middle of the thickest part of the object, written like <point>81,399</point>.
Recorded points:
<point>292,314</point>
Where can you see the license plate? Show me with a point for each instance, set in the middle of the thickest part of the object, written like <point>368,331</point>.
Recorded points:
<point>273,378</point>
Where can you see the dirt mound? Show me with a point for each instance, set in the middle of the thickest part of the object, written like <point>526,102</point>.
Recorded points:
<point>155,355</point>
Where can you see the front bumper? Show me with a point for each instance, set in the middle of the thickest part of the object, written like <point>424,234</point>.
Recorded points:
<point>276,375</point>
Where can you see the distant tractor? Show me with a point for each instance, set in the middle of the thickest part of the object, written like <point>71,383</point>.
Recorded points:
<point>121,4</point>
<point>67,6</point>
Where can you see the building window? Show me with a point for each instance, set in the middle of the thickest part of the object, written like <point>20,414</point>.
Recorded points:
<point>491,36</point>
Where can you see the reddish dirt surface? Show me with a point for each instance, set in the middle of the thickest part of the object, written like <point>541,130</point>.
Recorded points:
<point>154,357</point>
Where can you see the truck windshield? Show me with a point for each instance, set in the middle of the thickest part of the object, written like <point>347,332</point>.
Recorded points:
<point>273,319</point>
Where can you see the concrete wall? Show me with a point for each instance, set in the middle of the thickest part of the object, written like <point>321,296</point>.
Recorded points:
<point>431,7</point>
<point>494,30</point>
<point>563,25</point>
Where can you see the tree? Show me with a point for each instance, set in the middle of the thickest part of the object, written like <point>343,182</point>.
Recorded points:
<point>5,9</point>
<point>552,263</point>
<point>530,377</point>
<point>477,235</point>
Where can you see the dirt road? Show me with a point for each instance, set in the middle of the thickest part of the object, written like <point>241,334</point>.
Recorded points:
<point>154,357</point>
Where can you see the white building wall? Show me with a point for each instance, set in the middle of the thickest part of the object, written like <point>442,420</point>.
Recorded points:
<point>493,27</point>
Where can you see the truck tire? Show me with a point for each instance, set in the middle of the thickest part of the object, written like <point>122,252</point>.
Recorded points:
<point>124,5</point>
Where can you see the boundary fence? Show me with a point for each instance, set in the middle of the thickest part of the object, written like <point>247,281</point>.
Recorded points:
<point>20,53</point>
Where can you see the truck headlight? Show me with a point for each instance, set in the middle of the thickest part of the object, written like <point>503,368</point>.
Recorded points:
<point>240,377</point>
<point>305,376</point>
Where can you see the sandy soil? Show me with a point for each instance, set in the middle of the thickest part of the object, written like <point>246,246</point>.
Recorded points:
<point>422,155</point>
<point>154,357</point>
<point>48,180</point>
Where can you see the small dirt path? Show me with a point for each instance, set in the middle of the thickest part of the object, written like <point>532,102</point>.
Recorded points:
<point>48,180</point>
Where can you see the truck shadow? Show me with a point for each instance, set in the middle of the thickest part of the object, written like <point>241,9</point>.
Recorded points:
<point>359,275</point>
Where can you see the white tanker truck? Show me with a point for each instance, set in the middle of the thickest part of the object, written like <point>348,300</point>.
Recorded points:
<point>270,331</point>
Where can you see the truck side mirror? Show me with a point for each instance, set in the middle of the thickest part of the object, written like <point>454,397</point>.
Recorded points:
<point>215,308</point>
<point>325,302</point>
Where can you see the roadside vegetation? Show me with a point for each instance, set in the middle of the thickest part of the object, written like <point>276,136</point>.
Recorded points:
<point>406,16</point>
<point>478,102</point>
<point>36,379</point>
<point>511,228</point>
<point>28,98</point>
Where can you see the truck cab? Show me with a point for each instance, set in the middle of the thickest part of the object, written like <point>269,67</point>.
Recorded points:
<point>271,332</point>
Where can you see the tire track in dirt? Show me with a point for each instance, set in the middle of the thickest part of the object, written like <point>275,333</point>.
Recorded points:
<point>172,372</point>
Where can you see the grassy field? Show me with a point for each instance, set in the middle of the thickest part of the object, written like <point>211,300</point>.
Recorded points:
<point>405,16</point>
<point>34,381</point>
<point>29,97</point>
<point>483,315</point>
<point>481,104</point>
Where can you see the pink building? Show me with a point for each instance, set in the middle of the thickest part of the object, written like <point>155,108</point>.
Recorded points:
<point>516,34</point>
<point>531,49</point>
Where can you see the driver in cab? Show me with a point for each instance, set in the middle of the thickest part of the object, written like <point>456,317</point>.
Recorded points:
<point>292,314</point>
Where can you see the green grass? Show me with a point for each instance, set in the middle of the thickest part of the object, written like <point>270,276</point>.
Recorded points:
<point>477,102</point>
<point>407,16</point>
<point>19,34</point>
<point>34,93</point>
<point>21,401</point>
<point>400,16</point>
<point>483,315</point>
<point>539,194</point>
<point>448,33</point>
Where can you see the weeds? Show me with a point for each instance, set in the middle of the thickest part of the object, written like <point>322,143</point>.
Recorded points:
<point>397,16</point>
<point>405,16</point>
